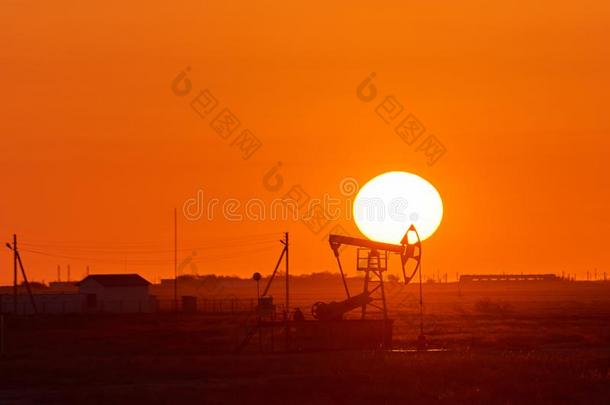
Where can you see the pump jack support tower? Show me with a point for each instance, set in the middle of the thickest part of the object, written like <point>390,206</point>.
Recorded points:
<point>372,260</point>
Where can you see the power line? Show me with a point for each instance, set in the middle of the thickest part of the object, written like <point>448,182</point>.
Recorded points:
<point>102,251</point>
<point>236,253</point>
<point>228,243</point>
<point>112,244</point>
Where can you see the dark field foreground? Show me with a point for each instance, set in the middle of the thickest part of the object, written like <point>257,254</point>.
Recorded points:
<point>551,350</point>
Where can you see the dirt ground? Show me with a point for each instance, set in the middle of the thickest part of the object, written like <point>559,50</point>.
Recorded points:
<point>498,344</point>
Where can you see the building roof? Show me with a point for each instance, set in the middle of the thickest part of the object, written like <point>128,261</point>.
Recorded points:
<point>117,280</point>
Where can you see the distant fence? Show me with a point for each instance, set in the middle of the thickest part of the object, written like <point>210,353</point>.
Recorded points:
<point>206,305</point>
<point>72,304</point>
<point>78,303</point>
<point>226,305</point>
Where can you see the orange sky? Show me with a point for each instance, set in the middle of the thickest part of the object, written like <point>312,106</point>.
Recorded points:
<point>96,150</point>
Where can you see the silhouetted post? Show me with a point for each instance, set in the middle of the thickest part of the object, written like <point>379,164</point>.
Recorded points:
<point>287,278</point>
<point>175,259</point>
<point>26,283</point>
<point>287,297</point>
<point>15,273</point>
<point>257,277</point>
<point>421,339</point>
<point>2,335</point>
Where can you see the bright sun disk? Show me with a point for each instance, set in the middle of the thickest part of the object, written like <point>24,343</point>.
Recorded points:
<point>388,204</point>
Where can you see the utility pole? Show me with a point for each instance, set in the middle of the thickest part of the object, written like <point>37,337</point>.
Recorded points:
<point>175,259</point>
<point>1,335</point>
<point>287,294</point>
<point>15,273</point>
<point>287,278</point>
<point>17,259</point>
<point>421,339</point>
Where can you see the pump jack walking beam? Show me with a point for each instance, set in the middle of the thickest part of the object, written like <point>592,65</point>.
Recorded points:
<point>409,248</point>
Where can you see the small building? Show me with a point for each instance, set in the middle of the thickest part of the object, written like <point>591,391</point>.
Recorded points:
<point>116,293</point>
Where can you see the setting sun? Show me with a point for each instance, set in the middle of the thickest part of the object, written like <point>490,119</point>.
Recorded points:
<point>388,204</point>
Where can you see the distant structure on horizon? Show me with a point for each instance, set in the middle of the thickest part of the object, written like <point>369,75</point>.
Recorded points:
<point>63,285</point>
<point>484,278</point>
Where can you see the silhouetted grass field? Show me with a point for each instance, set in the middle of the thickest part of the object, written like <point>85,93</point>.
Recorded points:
<point>503,344</point>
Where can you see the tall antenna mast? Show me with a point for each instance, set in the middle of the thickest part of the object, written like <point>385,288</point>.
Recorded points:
<point>287,277</point>
<point>15,273</point>
<point>176,259</point>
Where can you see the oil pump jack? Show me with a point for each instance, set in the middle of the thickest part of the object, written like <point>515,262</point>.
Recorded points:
<point>330,329</point>
<point>372,259</point>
